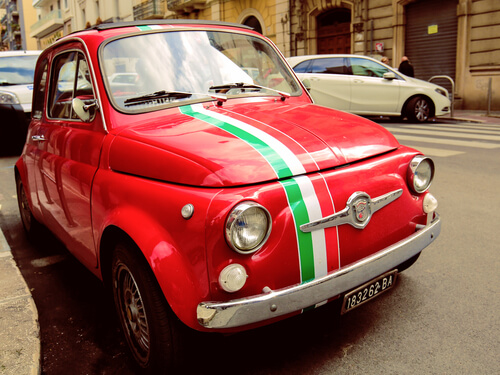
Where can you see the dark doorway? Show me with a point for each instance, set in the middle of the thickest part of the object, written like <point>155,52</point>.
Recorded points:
<point>334,31</point>
<point>254,23</point>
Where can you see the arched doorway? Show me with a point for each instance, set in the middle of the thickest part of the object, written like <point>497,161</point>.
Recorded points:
<point>334,31</point>
<point>253,22</point>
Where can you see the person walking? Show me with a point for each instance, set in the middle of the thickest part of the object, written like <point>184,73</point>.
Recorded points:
<point>406,68</point>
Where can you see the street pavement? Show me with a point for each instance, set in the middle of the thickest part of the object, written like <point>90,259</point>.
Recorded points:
<point>20,349</point>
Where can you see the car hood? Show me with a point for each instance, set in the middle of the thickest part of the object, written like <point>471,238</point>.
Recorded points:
<point>244,142</point>
<point>23,92</point>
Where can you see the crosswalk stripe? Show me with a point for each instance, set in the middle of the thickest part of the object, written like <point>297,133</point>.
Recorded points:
<point>467,126</point>
<point>460,130</point>
<point>451,142</point>
<point>429,151</point>
<point>445,134</point>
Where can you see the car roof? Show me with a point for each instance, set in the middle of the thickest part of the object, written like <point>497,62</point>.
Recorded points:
<point>294,60</point>
<point>19,53</point>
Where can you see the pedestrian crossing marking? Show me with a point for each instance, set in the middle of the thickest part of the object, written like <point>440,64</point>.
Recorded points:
<point>429,151</point>
<point>450,142</point>
<point>446,134</point>
<point>455,129</point>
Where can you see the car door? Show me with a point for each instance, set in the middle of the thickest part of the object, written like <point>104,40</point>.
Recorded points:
<point>371,93</point>
<point>327,81</point>
<point>67,154</point>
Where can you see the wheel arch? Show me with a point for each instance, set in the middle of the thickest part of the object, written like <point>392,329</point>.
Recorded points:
<point>404,109</point>
<point>182,287</point>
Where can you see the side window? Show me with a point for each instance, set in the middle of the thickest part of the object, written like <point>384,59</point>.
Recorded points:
<point>367,68</point>
<point>333,65</point>
<point>40,87</point>
<point>302,67</point>
<point>70,79</point>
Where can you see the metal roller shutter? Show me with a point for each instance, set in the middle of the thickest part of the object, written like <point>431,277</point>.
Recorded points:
<point>431,38</point>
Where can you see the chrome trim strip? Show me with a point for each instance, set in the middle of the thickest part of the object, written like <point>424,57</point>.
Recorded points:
<point>272,304</point>
<point>349,214</point>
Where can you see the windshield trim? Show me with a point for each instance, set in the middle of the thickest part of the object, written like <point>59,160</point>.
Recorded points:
<point>189,101</point>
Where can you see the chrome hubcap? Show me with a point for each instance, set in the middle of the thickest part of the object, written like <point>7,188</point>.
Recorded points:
<point>133,313</point>
<point>422,110</point>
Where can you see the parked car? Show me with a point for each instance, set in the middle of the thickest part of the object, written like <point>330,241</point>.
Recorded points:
<point>365,86</point>
<point>207,197</point>
<point>17,69</point>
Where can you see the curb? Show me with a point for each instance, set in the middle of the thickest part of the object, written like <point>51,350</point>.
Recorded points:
<point>20,347</point>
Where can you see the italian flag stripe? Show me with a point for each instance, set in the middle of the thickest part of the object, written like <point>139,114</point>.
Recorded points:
<point>300,192</point>
<point>149,27</point>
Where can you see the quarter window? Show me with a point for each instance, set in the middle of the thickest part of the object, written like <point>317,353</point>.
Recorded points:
<point>329,66</point>
<point>71,79</point>
<point>367,68</point>
<point>39,91</point>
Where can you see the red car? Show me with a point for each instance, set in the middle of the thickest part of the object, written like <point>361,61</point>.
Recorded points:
<point>207,188</point>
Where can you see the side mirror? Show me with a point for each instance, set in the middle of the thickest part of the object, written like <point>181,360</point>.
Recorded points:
<point>85,112</point>
<point>307,84</point>
<point>390,76</point>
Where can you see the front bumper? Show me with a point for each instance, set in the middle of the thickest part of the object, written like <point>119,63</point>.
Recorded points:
<point>272,304</point>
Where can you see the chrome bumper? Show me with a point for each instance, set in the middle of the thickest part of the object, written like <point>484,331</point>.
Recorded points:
<point>272,304</point>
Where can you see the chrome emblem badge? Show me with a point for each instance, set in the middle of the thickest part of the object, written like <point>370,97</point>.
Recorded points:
<point>361,210</point>
<point>358,211</point>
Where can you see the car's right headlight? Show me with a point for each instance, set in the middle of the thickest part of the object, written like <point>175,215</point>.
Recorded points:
<point>248,227</point>
<point>8,98</point>
<point>420,173</point>
<point>441,91</point>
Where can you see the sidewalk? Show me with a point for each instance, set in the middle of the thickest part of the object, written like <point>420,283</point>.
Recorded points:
<point>19,329</point>
<point>473,116</point>
<point>20,351</point>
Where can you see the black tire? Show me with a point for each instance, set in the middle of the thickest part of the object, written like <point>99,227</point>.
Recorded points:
<point>30,224</point>
<point>150,327</point>
<point>419,109</point>
<point>407,264</point>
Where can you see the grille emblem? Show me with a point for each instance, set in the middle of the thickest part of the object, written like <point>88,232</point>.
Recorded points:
<point>358,211</point>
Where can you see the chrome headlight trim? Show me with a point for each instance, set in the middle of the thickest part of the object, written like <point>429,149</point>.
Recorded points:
<point>420,173</point>
<point>442,92</point>
<point>235,221</point>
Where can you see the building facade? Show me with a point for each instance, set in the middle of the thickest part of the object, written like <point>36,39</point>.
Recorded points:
<point>57,18</point>
<point>459,39</point>
<point>15,15</point>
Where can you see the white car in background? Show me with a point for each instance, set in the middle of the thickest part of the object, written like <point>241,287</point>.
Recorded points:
<point>365,86</point>
<point>16,90</point>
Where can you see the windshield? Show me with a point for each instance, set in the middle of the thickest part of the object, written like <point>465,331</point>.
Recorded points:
<point>17,70</point>
<point>143,72</point>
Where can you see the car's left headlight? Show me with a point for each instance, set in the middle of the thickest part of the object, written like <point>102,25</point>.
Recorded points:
<point>8,98</point>
<point>248,227</point>
<point>420,173</point>
<point>441,91</point>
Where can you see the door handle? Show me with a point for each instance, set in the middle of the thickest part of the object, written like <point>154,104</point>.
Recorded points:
<point>38,138</point>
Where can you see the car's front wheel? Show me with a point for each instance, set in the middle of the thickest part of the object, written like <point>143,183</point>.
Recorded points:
<point>419,109</point>
<point>150,327</point>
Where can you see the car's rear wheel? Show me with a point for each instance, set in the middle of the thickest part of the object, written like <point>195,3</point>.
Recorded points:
<point>30,224</point>
<point>150,327</point>
<point>419,109</point>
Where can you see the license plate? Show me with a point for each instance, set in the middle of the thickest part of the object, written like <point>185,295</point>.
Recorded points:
<point>368,291</point>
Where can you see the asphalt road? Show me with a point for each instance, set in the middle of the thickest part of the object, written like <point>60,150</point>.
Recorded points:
<point>441,318</point>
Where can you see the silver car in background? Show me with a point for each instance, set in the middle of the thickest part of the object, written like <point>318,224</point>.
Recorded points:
<point>17,69</point>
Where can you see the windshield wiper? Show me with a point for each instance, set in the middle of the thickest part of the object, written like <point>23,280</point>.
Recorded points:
<point>223,89</point>
<point>157,96</point>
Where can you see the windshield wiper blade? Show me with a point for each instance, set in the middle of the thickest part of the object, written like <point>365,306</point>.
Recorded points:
<point>158,95</point>
<point>223,89</point>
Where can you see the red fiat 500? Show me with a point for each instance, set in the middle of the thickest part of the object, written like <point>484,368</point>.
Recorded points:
<point>186,166</point>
